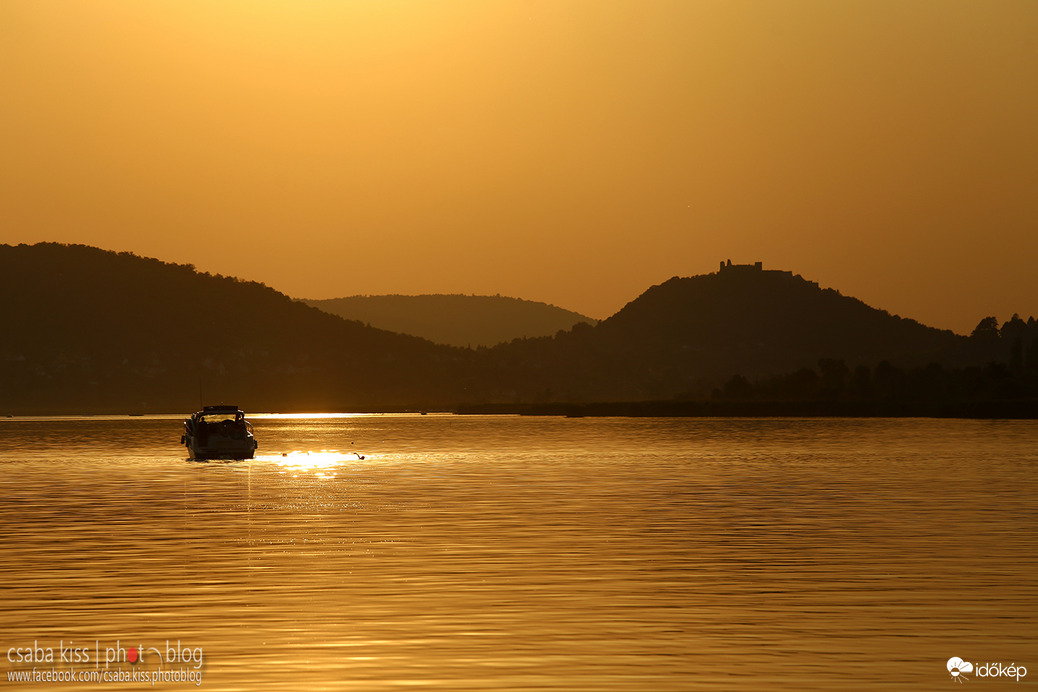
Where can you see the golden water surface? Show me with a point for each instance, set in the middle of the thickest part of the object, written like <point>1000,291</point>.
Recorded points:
<point>524,553</point>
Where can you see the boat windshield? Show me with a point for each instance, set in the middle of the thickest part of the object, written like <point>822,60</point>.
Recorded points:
<point>219,417</point>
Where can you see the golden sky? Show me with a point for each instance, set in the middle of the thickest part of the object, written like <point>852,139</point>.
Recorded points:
<point>570,152</point>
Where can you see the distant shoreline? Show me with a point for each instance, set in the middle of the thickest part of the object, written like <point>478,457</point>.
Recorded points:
<point>1020,409</point>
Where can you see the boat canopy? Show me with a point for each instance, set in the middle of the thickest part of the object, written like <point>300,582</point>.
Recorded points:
<point>217,412</point>
<point>221,408</point>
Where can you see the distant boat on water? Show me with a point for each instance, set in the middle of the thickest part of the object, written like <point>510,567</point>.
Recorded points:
<point>219,432</point>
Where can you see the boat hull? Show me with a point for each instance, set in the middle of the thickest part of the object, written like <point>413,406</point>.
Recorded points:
<point>221,448</point>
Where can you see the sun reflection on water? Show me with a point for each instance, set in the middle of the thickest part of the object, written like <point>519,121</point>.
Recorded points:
<point>529,552</point>
<point>316,461</point>
<point>312,416</point>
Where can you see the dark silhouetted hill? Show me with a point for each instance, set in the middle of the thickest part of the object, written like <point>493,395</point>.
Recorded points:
<point>86,330</point>
<point>688,335</point>
<point>457,320</point>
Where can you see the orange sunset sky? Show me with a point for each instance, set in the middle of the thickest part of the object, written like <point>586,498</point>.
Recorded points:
<point>569,152</point>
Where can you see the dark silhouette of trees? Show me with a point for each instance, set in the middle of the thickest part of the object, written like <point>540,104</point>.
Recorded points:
<point>889,383</point>
<point>90,330</point>
<point>834,377</point>
<point>86,330</point>
<point>986,330</point>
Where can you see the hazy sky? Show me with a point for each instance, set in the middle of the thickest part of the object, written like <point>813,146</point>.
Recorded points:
<point>570,152</point>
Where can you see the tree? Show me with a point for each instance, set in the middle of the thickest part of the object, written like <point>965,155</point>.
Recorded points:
<point>737,387</point>
<point>834,376</point>
<point>987,329</point>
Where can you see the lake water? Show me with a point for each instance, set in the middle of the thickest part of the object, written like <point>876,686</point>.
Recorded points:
<point>521,553</point>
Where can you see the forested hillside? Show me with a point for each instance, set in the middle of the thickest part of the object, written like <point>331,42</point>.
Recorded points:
<point>683,337</point>
<point>90,331</point>
<point>457,320</point>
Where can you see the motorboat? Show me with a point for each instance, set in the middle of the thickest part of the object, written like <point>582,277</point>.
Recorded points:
<point>219,432</point>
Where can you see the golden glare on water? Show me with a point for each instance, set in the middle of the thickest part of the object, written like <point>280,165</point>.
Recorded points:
<point>310,416</point>
<point>506,553</point>
<point>311,461</point>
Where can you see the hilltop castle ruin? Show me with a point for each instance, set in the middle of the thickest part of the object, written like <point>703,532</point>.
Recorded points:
<point>728,267</point>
